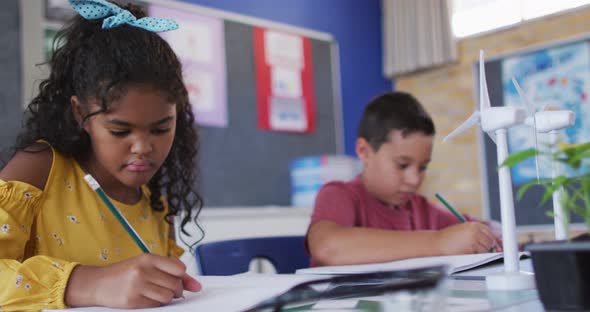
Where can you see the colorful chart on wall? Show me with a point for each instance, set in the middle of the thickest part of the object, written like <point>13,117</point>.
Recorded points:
<point>552,78</point>
<point>200,47</point>
<point>284,81</point>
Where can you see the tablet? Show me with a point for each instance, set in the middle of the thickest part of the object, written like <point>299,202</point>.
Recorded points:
<point>356,285</point>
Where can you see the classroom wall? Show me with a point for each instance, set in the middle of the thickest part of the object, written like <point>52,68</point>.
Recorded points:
<point>10,75</point>
<point>447,93</point>
<point>356,26</point>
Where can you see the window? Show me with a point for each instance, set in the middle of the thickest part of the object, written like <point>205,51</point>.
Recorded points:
<point>475,16</point>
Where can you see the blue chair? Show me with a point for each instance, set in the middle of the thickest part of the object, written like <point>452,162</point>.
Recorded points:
<point>286,253</point>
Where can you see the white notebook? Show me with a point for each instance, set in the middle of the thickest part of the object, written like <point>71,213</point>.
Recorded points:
<point>456,263</point>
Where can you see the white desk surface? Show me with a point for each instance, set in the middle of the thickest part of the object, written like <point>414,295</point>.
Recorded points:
<point>238,292</point>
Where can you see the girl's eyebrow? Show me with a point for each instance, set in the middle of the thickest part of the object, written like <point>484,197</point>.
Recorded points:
<point>128,124</point>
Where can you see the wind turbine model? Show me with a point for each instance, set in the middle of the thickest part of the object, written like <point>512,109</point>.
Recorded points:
<point>550,121</point>
<point>495,121</point>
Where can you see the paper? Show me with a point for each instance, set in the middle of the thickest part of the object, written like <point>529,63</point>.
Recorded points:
<point>225,293</point>
<point>456,263</point>
<point>525,265</point>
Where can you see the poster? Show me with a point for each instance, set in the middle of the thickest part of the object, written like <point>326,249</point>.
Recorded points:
<point>284,81</point>
<point>551,78</point>
<point>199,45</point>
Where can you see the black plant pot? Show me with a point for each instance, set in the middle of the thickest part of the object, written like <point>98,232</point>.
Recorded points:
<point>562,273</point>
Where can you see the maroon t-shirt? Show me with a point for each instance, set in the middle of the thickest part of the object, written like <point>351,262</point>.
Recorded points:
<point>350,204</point>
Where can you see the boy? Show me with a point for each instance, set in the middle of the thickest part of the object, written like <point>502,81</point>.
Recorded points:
<point>378,216</point>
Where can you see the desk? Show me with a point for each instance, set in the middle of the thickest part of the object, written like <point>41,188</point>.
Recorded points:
<point>464,291</point>
<point>452,295</point>
<point>235,293</point>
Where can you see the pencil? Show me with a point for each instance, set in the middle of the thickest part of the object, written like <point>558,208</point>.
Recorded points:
<point>130,230</point>
<point>458,215</point>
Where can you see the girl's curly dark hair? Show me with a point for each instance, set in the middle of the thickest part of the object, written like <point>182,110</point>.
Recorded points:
<point>96,63</point>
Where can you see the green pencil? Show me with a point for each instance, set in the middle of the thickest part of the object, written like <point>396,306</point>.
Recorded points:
<point>457,214</point>
<point>105,199</point>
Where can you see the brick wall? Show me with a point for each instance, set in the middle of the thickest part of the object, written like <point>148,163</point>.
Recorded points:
<point>447,93</point>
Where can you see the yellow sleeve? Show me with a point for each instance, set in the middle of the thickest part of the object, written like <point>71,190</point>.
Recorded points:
<point>39,282</point>
<point>174,250</point>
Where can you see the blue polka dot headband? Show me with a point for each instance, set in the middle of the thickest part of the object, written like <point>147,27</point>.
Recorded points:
<point>94,9</point>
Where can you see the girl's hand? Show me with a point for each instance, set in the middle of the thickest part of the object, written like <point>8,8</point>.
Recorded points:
<point>466,238</point>
<point>147,280</point>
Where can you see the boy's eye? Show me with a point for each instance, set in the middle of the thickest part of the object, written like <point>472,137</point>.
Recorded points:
<point>119,133</point>
<point>423,168</point>
<point>403,166</point>
<point>159,131</point>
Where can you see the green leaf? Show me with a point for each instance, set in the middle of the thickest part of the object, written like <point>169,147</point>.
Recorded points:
<point>518,157</point>
<point>574,155</point>
<point>525,187</point>
<point>558,182</point>
<point>576,190</point>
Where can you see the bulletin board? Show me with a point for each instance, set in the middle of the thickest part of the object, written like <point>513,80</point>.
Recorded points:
<point>556,75</point>
<point>10,75</point>
<point>242,165</point>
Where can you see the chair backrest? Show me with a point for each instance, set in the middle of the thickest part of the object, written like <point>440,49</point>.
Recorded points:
<point>286,253</point>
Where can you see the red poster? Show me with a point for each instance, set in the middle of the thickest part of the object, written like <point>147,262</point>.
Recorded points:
<point>284,81</point>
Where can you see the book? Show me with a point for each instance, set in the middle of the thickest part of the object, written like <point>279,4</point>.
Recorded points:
<point>455,263</point>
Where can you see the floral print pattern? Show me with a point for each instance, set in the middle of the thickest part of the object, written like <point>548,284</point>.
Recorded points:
<point>104,254</point>
<point>58,239</point>
<point>57,219</point>
<point>18,280</point>
<point>72,218</point>
<point>69,186</point>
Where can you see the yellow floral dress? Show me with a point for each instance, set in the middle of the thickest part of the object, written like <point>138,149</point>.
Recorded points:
<point>45,234</point>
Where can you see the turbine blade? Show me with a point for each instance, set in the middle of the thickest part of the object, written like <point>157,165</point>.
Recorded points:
<point>536,146</point>
<point>529,106</point>
<point>531,112</point>
<point>472,120</point>
<point>492,136</point>
<point>484,97</point>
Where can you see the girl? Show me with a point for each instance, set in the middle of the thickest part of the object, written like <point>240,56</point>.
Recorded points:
<point>115,107</point>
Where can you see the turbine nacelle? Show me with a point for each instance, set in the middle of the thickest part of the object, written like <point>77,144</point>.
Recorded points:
<point>501,117</point>
<point>547,121</point>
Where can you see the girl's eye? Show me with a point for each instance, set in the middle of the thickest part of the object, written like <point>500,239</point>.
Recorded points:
<point>119,133</point>
<point>403,166</point>
<point>159,131</point>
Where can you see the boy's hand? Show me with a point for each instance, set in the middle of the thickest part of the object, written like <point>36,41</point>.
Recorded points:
<point>466,238</point>
<point>496,229</point>
<point>144,281</point>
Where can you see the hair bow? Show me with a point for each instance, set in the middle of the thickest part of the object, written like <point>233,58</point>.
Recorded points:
<point>93,9</point>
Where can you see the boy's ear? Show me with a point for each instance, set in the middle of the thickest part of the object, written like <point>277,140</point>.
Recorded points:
<point>76,109</point>
<point>363,148</point>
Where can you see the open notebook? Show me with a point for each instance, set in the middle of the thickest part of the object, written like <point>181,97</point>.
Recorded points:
<point>456,264</point>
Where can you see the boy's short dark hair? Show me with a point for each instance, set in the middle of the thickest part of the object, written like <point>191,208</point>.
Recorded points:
<point>393,111</point>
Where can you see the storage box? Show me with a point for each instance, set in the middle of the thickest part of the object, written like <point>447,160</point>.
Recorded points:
<point>309,174</point>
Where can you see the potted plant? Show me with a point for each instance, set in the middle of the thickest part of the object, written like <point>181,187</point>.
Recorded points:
<point>562,268</point>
